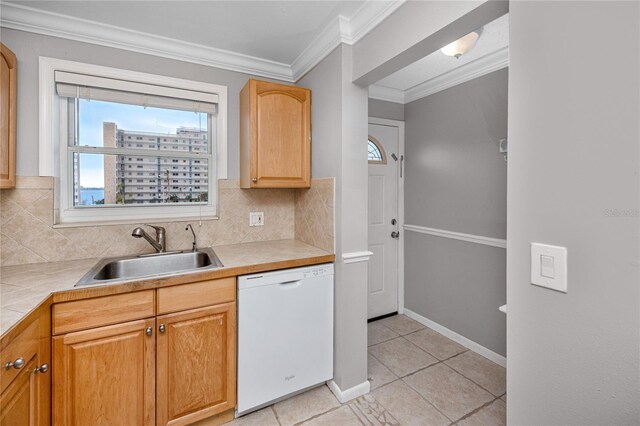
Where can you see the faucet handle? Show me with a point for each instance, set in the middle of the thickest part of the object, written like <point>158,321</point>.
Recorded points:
<point>157,228</point>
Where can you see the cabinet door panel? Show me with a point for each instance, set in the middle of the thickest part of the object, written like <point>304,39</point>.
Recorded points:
<point>196,364</point>
<point>105,376</point>
<point>281,130</point>
<point>8,63</point>
<point>275,136</point>
<point>19,400</point>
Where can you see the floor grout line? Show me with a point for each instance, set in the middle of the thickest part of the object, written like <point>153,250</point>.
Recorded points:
<point>466,416</point>
<point>315,416</point>
<point>355,414</point>
<point>494,397</point>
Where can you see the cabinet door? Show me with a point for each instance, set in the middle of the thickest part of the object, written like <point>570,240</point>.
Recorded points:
<point>8,74</point>
<point>281,139</point>
<point>105,376</point>
<point>196,364</point>
<point>19,401</point>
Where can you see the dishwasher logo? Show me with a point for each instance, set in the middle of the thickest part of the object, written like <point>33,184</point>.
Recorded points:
<point>289,378</point>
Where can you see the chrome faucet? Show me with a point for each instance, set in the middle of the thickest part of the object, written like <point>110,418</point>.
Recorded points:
<point>193,245</point>
<point>160,242</point>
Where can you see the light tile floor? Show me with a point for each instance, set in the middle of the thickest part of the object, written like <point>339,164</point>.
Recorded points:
<point>418,377</point>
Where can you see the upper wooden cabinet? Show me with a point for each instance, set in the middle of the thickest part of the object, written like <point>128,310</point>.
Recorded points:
<point>275,136</point>
<point>8,65</point>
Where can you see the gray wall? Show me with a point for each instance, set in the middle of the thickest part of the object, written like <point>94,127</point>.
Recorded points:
<point>385,109</point>
<point>339,133</point>
<point>28,47</point>
<point>456,180</point>
<point>574,103</point>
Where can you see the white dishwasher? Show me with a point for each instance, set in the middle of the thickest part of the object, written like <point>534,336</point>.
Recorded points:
<point>285,333</point>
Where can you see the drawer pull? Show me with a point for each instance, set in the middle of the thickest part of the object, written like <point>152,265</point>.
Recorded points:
<point>42,369</point>
<point>17,364</point>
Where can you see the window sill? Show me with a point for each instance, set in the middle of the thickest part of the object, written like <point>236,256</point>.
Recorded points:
<point>134,221</point>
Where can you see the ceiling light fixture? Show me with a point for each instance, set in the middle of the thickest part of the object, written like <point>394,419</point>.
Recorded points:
<point>462,45</point>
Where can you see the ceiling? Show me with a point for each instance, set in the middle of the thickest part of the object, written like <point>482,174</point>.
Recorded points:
<point>280,39</point>
<point>413,80</point>
<point>273,30</point>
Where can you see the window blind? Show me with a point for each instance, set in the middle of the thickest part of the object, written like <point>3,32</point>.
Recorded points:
<point>128,92</point>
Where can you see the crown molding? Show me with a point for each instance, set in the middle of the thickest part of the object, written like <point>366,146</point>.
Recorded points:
<point>388,94</point>
<point>477,68</point>
<point>321,46</point>
<point>19,17</point>
<point>342,30</point>
<point>339,30</point>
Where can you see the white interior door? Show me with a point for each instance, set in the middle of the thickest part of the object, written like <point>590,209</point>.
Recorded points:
<point>383,220</point>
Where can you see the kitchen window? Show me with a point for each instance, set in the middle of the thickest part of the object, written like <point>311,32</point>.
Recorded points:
<point>99,110</point>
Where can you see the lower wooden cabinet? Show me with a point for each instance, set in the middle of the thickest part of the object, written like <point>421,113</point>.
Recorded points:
<point>196,364</point>
<point>173,369</point>
<point>25,383</point>
<point>19,401</point>
<point>105,376</point>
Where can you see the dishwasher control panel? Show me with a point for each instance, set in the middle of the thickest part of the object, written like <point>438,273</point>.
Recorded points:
<point>319,271</point>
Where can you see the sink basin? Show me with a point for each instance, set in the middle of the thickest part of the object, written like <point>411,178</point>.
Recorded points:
<point>124,268</point>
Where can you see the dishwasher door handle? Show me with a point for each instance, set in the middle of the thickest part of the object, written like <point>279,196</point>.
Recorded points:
<point>292,283</point>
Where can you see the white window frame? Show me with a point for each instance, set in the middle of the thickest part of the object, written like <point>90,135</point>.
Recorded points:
<point>52,143</point>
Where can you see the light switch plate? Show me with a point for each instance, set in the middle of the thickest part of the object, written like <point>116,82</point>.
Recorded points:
<point>256,218</point>
<point>549,266</point>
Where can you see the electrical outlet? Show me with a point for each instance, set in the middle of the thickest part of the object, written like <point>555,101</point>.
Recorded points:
<point>256,218</point>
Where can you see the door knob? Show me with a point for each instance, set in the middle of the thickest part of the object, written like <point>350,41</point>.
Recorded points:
<point>17,364</point>
<point>254,180</point>
<point>162,328</point>
<point>148,331</point>
<point>42,369</point>
<point>395,234</point>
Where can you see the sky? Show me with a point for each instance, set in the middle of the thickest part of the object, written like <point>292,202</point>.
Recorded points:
<point>128,117</point>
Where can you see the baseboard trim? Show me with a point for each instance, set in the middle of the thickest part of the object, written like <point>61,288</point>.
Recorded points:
<point>351,393</point>
<point>469,344</point>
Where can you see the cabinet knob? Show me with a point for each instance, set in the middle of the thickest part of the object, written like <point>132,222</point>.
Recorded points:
<point>17,364</point>
<point>255,180</point>
<point>149,331</point>
<point>162,328</point>
<point>42,369</point>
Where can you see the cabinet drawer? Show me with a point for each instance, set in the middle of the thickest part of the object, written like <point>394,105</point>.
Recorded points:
<point>24,346</point>
<point>196,295</point>
<point>90,313</point>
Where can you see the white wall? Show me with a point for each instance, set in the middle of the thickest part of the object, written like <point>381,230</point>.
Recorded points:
<point>339,135</point>
<point>574,157</point>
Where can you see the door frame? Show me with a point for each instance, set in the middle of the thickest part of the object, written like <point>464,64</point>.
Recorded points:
<point>400,126</point>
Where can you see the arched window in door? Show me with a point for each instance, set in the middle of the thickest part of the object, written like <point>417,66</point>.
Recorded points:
<point>376,154</point>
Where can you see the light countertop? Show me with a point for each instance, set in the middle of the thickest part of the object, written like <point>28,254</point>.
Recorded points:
<point>25,287</point>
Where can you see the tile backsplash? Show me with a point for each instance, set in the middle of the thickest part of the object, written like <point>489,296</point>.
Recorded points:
<point>314,214</point>
<point>27,234</point>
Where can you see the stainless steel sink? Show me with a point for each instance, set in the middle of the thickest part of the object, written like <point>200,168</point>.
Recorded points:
<point>124,268</point>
